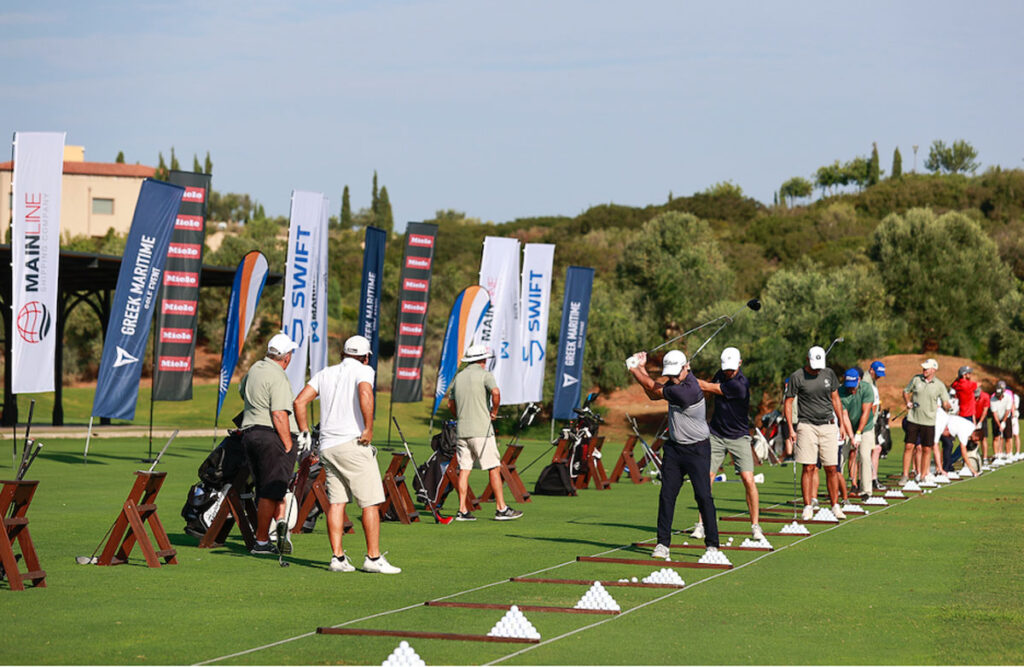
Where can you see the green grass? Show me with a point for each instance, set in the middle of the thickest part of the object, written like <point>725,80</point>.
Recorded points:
<point>934,580</point>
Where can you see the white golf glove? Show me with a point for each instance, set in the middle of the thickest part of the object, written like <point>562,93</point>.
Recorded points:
<point>305,443</point>
<point>856,439</point>
<point>632,362</point>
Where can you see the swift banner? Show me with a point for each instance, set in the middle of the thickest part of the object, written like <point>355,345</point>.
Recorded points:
<point>499,273</point>
<point>300,274</point>
<point>318,323</point>
<point>413,299</point>
<point>535,303</point>
<point>142,268</point>
<point>369,294</point>
<point>35,248</point>
<point>250,277</point>
<point>468,312</point>
<point>575,312</point>
<point>177,307</point>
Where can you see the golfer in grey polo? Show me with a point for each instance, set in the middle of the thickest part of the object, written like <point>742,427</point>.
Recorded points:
<point>474,401</point>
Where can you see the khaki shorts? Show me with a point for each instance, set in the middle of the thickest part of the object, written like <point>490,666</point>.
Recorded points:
<point>480,451</point>
<point>742,457</point>
<point>352,474</point>
<point>814,442</point>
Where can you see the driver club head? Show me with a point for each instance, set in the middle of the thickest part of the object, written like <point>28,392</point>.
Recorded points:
<point>86,560</point>
<point>754,304</point>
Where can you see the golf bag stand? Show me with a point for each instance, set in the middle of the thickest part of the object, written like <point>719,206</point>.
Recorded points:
<point>15,499</point>
<point>315,497</point>
<point>627,464</point>
<point>397,505</point>
<point>130,526</point>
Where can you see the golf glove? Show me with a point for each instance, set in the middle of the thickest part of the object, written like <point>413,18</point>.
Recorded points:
<point>305,443</point>
<point>632,362</point>
<point>856,439</point>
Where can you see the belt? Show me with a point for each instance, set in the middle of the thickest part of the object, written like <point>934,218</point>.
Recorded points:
<point>819,423</point>
<point>265,428</point>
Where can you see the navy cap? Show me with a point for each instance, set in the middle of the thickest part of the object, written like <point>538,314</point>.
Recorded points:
<point>851,378</point>
<point>879,368</point>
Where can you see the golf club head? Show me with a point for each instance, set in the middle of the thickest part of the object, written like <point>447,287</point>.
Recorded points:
<point>86,560</point>
<point>754,304</point>
<point>445,520</point>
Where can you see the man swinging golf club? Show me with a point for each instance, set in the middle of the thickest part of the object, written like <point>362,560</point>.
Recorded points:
<point>688,449</point>
<point>346,430</point>
<point>816,436</point>
<point>471,391</point>
<point>730,431</point>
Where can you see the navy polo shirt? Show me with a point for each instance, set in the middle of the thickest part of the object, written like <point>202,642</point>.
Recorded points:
<point>732,408</point>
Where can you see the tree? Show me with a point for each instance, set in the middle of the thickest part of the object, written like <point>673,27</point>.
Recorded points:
<point>958,158</point>
<point>796,188</point>
<point>374,196</point>
<point>346,209</point>
<point>175,166</point>
<point>724,189</point>
<point>161,173</point>
<point>208,165</point>
<point>873,168</point>
<point>385,219</point>
<point>120,157</point>
<point>922,260</point>
<point>196,167</point>
<point>897,163</point>
<point>856,171</point>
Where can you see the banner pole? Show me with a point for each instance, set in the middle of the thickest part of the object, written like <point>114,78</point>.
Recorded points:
<point>88,437</point>
<point>152,393</point>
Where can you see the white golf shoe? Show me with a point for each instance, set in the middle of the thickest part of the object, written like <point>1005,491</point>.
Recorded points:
<point>808,512</point>
<point>838,511</point>
<point>660,551</point>
<point>698,532</point>
<point>342,564</point>
<point>755,530</point>
<point>380,566</point>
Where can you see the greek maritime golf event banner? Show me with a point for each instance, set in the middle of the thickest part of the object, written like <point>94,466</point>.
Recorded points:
<point>575,313</point>
<point>369,293</point>
<point>177,310</point>
<point>138,281</point>
<point>35,248</point>
<point>413,298</point>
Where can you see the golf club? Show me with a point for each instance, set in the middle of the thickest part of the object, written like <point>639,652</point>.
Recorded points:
<point>27,447</point>
<point>753,304</point>
<point>652,456</point>
<point>157,459</point>
<point>91,560</point>
<point>443,520</point>
<point>837,340</point>
<point>25,466</point>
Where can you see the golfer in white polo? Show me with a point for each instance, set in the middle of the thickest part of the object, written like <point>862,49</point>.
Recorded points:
<point>346,430</point>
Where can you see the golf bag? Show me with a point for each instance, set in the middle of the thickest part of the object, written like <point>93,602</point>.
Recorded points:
<point>554,480</point>
<point>216,472</point>
<point>882,436</point>
<point>432,472</point>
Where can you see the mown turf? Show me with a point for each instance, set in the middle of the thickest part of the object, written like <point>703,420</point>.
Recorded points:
<point>934,580</point>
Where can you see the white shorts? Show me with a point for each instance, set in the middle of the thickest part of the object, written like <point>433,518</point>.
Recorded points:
<point>353,474</point>
<point>482,452</point>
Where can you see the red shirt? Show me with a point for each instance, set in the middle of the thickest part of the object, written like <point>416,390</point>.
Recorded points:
<point>981,404</point>
<point>964,389</point>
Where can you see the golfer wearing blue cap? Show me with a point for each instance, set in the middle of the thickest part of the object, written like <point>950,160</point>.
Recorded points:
<point>858,398</point>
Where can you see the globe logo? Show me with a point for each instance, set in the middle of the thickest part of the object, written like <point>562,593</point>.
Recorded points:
<point>33,322</point>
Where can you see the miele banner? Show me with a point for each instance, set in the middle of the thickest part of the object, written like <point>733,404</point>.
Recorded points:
<point>535,303</point>
<point>175,345</point>
<point>413,298</point>
<point>35,255</point>
<point>304,239</point>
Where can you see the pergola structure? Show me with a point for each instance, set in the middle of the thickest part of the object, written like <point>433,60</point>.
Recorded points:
<point>84,278</point>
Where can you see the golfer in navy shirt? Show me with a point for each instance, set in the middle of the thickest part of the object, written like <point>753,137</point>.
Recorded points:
<point>730,431</point>
<point>687,452</point>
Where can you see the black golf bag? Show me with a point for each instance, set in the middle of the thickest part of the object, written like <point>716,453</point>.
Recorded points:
<point>216,472</point>
<point>432,472</point>
<point>882,436</point>
<point>554,480</point>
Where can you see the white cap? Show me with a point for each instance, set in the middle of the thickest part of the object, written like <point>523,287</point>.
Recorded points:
<point>730,359</point>
<point>816,357</point>
<point>281,344</point>
<point>477,353</point>
<point>930,363</point>
<point>357,346</point>
<point>673,362</point>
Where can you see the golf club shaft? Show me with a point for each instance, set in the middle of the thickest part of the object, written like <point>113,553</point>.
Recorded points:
<point>685,333</point>
<point>833,344</point>
<point>27,446</point>
<point>158,456</point>
<point>416,470</point>
<point>28,464</point>
<point>648,451</point>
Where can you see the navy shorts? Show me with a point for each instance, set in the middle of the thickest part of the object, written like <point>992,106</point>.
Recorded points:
<point>271,465</point>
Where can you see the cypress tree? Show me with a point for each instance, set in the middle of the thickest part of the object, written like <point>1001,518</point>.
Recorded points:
<point>385,220</point>
<point>897,163</point>
<point>161,168</point>
<point>208,165</point>
<point>346,209</point>
<point>873,169</point>
<point>120,157</point>
<point>175,166</point>
<point>196,167</point>
<point>375,197</point>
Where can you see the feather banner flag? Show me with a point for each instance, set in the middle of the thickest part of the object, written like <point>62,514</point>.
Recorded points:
<point>250,277</point>
<point>468,312</point>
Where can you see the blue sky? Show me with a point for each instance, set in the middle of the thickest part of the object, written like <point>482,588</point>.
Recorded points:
<point>514,109</point>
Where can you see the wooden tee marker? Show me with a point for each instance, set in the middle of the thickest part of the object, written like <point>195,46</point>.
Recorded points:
<point>653,561</point>
<point>15,498</point>
<point>425,635</point>
<point>522,607</point>
<point>627,463</point>
<point>130,527</point>
<point>510,476</point>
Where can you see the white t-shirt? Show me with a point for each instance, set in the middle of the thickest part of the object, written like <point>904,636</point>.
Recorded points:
<point>341,419</point>
<point>1001,406</point>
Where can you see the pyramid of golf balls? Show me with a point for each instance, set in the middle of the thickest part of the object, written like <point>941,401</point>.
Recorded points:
<point>878,500</point>
<point>756,544</point>
<point>953,476</point>
<point>929,482</point>
<point>894,493</point>
<point>911,486</point>
<point>850,507</point>
<point>825,514</point>
<point>987,468</point>
<point>716,557</point>
<point>403,656</point>
<point>597,598</point>
<point>795,529</point>
<point>664,576</point>
<point>514,624</point>
<point>942,479</point>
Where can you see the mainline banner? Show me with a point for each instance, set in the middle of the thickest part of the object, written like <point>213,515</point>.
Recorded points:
<point>499,273</point>
<point>468,312</point>
<point>318,325</point>
<point>250,278</point>
<point>142,267</point>
<point>369,293</point>
<point>35,248</point>
<point>575,313</point>
<point>304,239</point>
<point>413,299</point>
<point>535,295</point>
<point>175,346</point>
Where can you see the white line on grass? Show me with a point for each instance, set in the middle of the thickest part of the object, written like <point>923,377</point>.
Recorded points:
<point>546,569</point>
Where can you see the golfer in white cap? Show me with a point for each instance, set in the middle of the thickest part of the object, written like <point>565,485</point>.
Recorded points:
<point>923,395</point>
<point>269,436</point>
<point>687,453</point>
<point>474,400</point>
<point>346,431</point>
<point>816,436</point>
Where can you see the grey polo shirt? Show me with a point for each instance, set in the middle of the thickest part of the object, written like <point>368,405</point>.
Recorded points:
<point>265,389</point>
